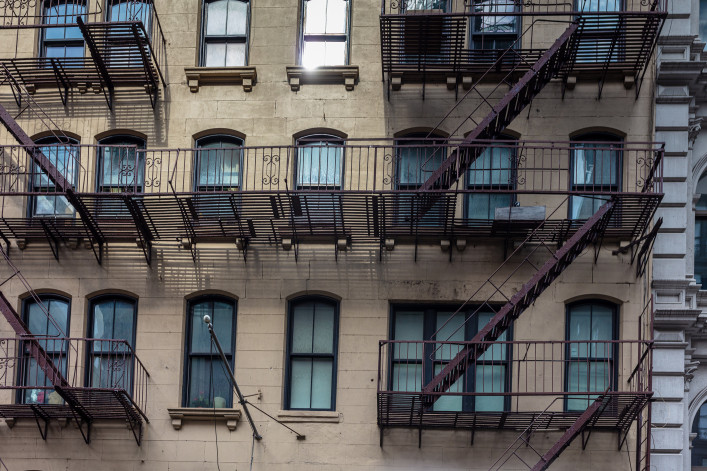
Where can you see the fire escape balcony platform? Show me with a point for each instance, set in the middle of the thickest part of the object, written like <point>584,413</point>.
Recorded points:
<point>117,382</point>
<point>516,383</point>
<point>363,202</point>
<point>436,47</point>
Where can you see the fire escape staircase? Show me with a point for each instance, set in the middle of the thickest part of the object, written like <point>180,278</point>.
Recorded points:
<point>583,423</point>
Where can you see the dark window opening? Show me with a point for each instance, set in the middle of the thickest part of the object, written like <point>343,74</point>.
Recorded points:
<point>595,168</point>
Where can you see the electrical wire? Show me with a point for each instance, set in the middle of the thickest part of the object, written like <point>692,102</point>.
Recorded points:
<point>212,392</point>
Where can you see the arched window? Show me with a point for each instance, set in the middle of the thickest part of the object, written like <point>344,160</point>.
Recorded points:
<point>64,154</point>
<point>418,157</point>
<point>591,365</point>
<point>121,165</point>
<point>55,324</point>
<point>224,33</point>
<point>312,345</point>
<point>595,169</point>
<point>112,325</point>
<point>206,383</point>
<point>218,163</point>
<point>63,38</point>
<point>494,170</point>
<point>699,444</point>
<point>319,162</point>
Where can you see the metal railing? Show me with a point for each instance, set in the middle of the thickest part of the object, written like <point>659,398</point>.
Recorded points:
<point>86,363</point>
<point>509,167</point>
<point>530,368</point>
<point>501,8</point>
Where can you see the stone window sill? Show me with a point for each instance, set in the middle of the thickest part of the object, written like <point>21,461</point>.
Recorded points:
<point>336,74</point>
<point>315,416</point>
<point>180,414</point>
<point>198,76</point>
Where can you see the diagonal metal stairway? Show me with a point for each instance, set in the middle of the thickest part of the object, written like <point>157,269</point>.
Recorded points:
<point>590,232</point>
<point>555,60</point>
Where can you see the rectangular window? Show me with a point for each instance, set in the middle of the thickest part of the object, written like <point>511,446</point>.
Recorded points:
<point>312,354</point>
<point>494,26</point>
<point>414,363</point>
<point>494,170</point>
<point>590,366</point>
<point>325,32</point>
<point>602,35</point>
<point>63,38</point>
<point>225,33</point>
<point>596,168</point>
<point>207,384</point>
<point>701,250</point>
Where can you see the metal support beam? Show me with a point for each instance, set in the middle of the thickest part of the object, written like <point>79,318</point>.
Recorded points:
<point>98,60</point>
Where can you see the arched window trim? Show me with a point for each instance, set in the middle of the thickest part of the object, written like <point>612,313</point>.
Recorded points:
<point>616,323</point>
<point>229,350</point>
<point>237,142</point>
<point>291,304</point>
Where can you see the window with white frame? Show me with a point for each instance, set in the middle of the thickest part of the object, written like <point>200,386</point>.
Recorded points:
<point>224,33</point>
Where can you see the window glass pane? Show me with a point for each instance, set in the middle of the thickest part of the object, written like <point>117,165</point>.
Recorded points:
<point>599,5</point>
<point>62,13</point>
<point>409,325</point>
<point>303,328</point>
<point>322,374</point>
<point>336,16</point>
<point>323,341</point>
<point>301,385</point>
<point>586,377</point>
<point>122,166</point>
<point>495,22</point>
<point>200,394</point>
<point>319,164</point>
<point>200,337</point>
<point>490,379</point>
<point>219,167</point>
<point>580,329</point>
<point>103,320</point>
<point>407,377</point>
<point>584,207</point>
<point>52,206</point>
<point>703,20</point>
<point>59,310</point>
<point>453,331</point>
<point>216,16</point>
<point>315,16</point>
<point>314,54</point>
<point>215,54</point>
<point>495,353</point>
<point>106,372</point>
<point>222,320</point>
<point>416,164</point>
<point>335,53</point>
<point>450,402</point>
<point>124,319</point>
<point>595,166</point>
<point>237,18</point>
<point>36,319</point>
<point>235,54</point>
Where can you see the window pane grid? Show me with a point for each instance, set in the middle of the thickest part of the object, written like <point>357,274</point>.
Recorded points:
<point>325,33</point>
<point>225,33</point>
<point>312,356</point>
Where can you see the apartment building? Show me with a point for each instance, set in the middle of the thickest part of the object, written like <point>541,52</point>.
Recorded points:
<point>421,229</point>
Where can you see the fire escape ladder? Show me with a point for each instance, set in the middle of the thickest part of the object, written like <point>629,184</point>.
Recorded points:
<point>548,66</point>
<point>590,232</point>
<point>584,421</point>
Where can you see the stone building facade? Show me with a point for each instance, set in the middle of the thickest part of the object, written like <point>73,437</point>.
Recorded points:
<point>246,161</point>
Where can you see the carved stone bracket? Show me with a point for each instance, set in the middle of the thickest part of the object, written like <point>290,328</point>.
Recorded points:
<point>198,76</point>
<point>695,126</point>
<point>179,415</point>
<point>343,74</point>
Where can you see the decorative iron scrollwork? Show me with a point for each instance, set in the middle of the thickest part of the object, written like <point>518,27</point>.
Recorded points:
<point>516,177</point>
<point>387,169</point>
<point>271,169</point>
<point>153,168</point>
